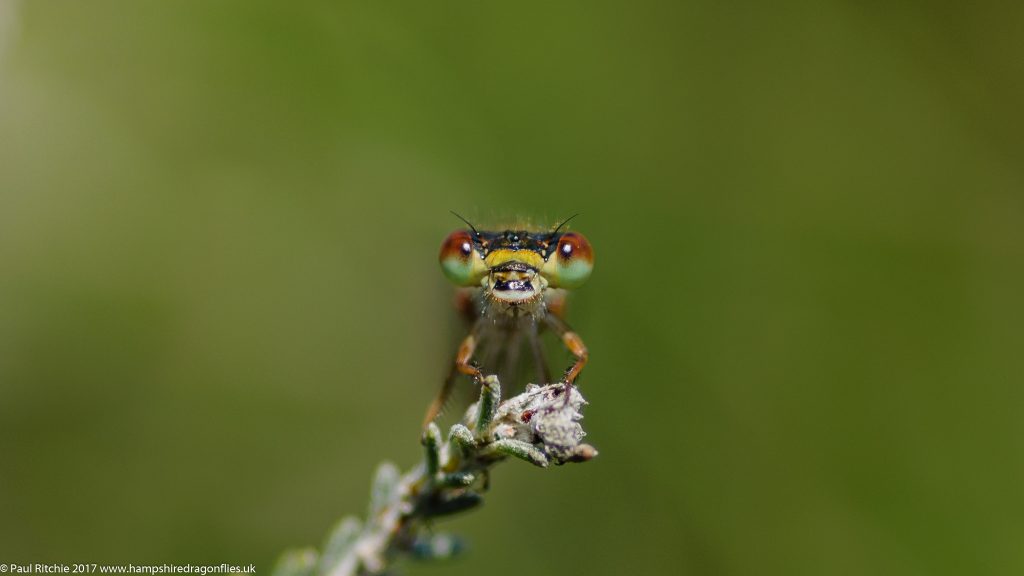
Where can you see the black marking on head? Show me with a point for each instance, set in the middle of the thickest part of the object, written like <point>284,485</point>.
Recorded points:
<point>513,240</point>
<point>513,285</point>
<point>543,243</point>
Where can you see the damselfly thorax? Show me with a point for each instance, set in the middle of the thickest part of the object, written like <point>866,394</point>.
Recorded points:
<point>514,285</point>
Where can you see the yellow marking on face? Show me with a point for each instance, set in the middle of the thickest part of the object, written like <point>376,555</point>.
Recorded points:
<point>503,256</point>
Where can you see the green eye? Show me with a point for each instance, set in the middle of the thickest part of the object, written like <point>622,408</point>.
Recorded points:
<point>570,264</point>
<point>459,261</point>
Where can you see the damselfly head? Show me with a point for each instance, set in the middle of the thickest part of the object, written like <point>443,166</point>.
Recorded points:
<point>515,266</point>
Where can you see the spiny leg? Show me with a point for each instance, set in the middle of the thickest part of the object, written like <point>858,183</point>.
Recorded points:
<point>462,365</point>
<point>575,345</point>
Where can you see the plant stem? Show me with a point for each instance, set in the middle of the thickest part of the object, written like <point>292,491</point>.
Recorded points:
<point>539,426</point>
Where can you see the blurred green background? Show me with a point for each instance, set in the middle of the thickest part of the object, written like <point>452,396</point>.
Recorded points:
<point>220,306</point>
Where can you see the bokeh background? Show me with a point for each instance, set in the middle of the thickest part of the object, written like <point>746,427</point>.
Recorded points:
<point>220,306</point>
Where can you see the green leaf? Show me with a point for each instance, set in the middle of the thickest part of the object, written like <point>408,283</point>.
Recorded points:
<point>432,446</point>
<point>437,547</point>
<point>339,544</point>
<point>461,438</point>
<point>298,562</point>
<point>457,479</point>
<point>519,449</point>
<point>453,504</point>
<point>384,488</point>
<point>490,396</point>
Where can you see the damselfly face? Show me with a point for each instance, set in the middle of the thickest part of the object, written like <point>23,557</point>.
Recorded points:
<point>513,271</point>
<point>515,266</point>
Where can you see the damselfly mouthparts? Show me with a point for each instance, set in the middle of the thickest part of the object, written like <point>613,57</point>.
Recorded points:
<point>514,284</point>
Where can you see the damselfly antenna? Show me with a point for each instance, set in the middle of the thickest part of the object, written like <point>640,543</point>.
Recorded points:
<point>557,228</point>
<point>471,227</point>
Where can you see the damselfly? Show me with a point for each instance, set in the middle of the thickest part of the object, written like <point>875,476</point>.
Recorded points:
<point>514,284</point>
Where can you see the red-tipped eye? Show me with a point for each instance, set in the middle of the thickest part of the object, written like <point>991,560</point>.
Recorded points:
<point>572,246</point>
<point>458,244</point>
<point>571,263</point>
<point>460,261</point>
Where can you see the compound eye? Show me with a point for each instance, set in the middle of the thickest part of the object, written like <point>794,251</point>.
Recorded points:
<point>460,261</point>
<point>572,261</point>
